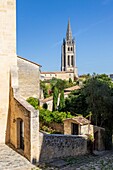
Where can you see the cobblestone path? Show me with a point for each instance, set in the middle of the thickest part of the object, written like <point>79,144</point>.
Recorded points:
<point>11,160</point>
<point>102,161</point>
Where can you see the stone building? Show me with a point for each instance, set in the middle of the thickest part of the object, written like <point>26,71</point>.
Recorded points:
<point>81,126</point>
<point>68,60</point>
<point>49,100</point>
<point>28,77</point>
<point>18,120</point>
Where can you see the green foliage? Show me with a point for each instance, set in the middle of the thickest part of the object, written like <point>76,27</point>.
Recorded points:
<point>45,106</point>
<point>70,81</point>
<point>60,84</point>
<point>76,103</point>
<point>62,101</point>
<point>98,93</point>
<point>45,89</point>
<point>55,98</point>
<point>47,116</point>
<point>33,101</point>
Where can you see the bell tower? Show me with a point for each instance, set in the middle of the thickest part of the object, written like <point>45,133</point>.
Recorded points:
<point>68,56</point>
<point>8,57</point>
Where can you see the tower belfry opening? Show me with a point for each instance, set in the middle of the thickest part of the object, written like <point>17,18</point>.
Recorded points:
<point>68,56</point>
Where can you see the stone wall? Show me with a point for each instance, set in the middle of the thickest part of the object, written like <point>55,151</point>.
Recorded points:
<point>58,127</point>
<point>59,75</point>
<point>29,77</point>
<point>20,110</point>
<point>98,134</point>
<point>68,127</point>
<point>56,146</point>
<point>7,57</point>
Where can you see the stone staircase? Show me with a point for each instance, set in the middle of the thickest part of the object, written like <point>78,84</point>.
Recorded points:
<point>11,160</point>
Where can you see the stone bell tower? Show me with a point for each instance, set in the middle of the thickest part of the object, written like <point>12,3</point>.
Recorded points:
<point>8,57</point>
<point>68,56</point>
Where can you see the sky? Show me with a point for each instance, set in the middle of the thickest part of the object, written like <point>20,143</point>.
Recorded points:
<point>42,25</point>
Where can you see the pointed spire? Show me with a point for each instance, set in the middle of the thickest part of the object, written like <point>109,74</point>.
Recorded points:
<point>69,32</point>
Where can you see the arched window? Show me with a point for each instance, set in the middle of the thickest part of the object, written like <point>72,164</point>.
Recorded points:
<point>72,60</point>
<point>71,48</point>
<point>68,60</point>
<point>68,48</point>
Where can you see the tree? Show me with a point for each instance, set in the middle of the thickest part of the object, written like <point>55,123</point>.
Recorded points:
<point>76,103</point>
<point>70,81</point>
<point>45,89</point>
<point>60,84</point>
<point>55,98</point>
<point>95,96</point>
<point>99,98</point>
<point>62,101</point>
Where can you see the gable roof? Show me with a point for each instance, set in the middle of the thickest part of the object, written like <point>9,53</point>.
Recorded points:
<point>78,120</point>
<point>29,61</point>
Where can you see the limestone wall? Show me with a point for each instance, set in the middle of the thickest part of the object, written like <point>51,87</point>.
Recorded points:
<point>29,77</point>
<point>7,57</point>
<point>59,75</point>
<point>19,109</point>
<point>56,146</point>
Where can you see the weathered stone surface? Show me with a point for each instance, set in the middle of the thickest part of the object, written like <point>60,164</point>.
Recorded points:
<point>20,110</point>
<point>56,146</point>
<point>7,57</point>
<point>11,160</point>
<point>29,78</point>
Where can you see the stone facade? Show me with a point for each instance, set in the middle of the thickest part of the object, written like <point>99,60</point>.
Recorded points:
<point>56,146</point>
<point>19,122</point>
<point>29,78</point>
<point>98,134</point>
<point>64,75</point>
<point>21,111</point>
<point>7,57</point>
<point>68,60</point>
<point>68,57</point>
<point>49,101</point>
<point>85,129</point>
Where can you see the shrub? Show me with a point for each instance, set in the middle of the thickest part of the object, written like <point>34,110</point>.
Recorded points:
<point>33,101</point>
<point>47,116</point>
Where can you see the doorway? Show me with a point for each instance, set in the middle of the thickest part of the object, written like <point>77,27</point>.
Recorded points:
<point>20,134</point>
<point>96,140</point>
<point>74,129</point>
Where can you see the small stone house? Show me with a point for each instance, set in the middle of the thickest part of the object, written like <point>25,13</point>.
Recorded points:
<point>49,100</point>
<point>81,126</point>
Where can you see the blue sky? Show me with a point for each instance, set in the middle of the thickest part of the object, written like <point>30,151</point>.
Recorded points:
<point>42,25</point>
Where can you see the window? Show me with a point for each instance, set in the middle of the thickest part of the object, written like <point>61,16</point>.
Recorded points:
<point>71,48</point>
<point>68,60</point>
<point>72,60</point>
<point>68,48</point>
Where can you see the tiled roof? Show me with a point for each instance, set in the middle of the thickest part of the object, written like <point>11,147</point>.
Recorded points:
<point>72,88</point>
<point>47,99</point>
<point>78,120</point>
<point>57,72</point>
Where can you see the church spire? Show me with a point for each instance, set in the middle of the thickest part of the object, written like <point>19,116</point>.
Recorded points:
<point>69,32</point>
